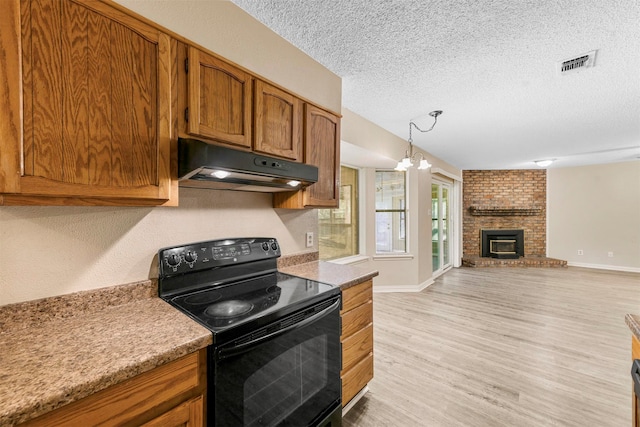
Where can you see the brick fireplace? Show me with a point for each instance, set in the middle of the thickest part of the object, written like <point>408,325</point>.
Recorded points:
<point>505,200</point>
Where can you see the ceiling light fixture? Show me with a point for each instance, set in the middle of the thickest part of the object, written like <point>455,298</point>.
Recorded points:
<point>409,156</point>
<point>544,163</point>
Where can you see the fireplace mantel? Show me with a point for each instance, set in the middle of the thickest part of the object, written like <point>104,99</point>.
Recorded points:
<point>486,210</point>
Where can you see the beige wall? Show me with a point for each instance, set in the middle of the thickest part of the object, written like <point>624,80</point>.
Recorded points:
<point>57,250</point>
<point>50,251</point>
<point>595,209</point>
<point>400,273</point>
<point>229,31</point>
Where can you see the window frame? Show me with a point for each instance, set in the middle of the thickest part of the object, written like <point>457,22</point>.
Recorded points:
<point>359,205</point>
<point>403,219</point>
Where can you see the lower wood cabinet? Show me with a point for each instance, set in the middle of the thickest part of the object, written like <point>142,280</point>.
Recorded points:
<point>170,395</point>
<point>188,414</point>
<point>357,339</point>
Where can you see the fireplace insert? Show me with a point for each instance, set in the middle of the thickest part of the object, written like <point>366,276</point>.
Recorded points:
<point>502,243</point>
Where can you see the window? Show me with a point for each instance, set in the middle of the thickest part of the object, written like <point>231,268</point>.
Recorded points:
<point>391,211</point>
<point>338,228</point>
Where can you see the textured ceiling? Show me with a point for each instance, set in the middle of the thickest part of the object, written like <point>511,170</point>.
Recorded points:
<point>491,65</point>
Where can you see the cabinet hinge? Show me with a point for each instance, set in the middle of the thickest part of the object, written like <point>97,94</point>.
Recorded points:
<point>186,114</point>
<point>186,65</point>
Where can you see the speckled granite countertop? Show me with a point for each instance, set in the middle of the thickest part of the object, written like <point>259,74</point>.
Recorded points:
<point>633,321</point>
<point>58,350</point>
<point>344,276</point>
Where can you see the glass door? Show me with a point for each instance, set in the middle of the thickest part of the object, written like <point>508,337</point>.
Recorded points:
<point>440,226</point>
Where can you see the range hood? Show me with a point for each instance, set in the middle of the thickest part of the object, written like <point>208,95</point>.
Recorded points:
<point>202,165</point>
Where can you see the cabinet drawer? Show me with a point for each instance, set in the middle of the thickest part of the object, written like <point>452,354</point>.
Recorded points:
<point>123,402</point>
<point>357,295</point>
<point>187,414</point>
<point>357,347</point>
<point>356,319</point>
<point>356,378</point>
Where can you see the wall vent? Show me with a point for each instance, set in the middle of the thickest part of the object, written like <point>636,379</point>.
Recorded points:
<point>580,62</point>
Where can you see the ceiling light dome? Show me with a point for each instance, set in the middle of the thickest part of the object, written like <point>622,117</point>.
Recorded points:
<point>544,163</point>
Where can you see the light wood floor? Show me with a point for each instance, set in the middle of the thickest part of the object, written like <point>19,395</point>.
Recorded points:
<point>504,347</point>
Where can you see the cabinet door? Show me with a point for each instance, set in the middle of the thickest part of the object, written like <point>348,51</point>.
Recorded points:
<point>278,122</point>
<point>219,100</point>
<point>322,149</point>
<point>188,414</point>
<point>95,104</point>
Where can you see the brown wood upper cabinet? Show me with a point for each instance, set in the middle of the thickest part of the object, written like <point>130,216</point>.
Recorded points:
<point>220,100</point>
<point>85,101</point>
<point>278,122</point>
<point>322,149</point>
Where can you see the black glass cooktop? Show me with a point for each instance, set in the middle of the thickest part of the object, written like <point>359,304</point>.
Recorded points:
<point>232,286</point>
<point>259,299</point>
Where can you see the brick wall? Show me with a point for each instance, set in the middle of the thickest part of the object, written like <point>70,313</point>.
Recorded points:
<point>520,189</point>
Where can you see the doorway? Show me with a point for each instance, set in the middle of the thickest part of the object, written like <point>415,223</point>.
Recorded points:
<point>440,226</point>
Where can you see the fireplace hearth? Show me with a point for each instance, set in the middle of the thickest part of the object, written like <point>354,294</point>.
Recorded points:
<point>504,244</point>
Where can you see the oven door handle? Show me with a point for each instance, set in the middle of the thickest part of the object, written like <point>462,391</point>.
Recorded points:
<point>635,375</point>
<point>234,350</point>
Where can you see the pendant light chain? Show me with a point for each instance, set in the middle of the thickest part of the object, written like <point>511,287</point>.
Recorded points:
<point>408,160</point>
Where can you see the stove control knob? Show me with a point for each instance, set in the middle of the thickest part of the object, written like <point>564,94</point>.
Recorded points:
<point>274,246</point>
<point>265,246</point>
<point>190,256</point>
<point>173,260</point>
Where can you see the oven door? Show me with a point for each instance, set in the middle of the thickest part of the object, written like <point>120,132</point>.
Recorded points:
<point>283,374</point>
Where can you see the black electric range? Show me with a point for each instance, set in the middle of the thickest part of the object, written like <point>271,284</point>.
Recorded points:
<point>275,358</point>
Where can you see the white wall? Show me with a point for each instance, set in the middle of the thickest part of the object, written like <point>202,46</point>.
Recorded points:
<point>596,209</point>
<point>415,270</point>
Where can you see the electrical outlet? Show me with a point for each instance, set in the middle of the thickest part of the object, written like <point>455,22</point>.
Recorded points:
<point>580,252</point>
<point>610,254</point>
<point>309,239</point>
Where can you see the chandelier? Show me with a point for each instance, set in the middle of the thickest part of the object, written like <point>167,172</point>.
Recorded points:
<point>409,156</point>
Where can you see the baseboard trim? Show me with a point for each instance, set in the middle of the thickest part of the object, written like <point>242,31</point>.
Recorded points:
<point>604,267</point>
<point>389,288</point>
<point>355,400</point>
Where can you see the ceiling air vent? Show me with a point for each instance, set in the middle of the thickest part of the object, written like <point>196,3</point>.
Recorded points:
<point>578,63</point>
